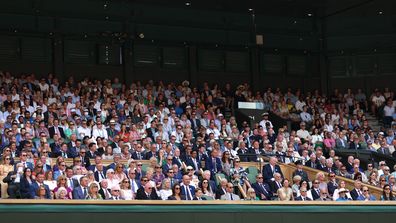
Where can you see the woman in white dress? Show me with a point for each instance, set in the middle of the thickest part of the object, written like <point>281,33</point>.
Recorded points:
<point>126,191</point>
<point>166,190</point>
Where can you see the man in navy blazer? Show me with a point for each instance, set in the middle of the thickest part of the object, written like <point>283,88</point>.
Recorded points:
<point>35,186</point>
<point>271,168</point>
<point>81,192</point>
<point>186,189</point>
<point>213,163</point>
<point>23,160</point>
<point>263,190</point>
<point>194,162</point>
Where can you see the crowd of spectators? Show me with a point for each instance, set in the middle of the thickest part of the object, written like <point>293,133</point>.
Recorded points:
<point>183,132</point>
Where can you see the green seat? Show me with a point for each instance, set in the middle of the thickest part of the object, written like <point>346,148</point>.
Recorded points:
<point>144,167</point>
<point>219,175</point>
<point>207,197</point>
<point>253,170</point>
<point>252,178</point>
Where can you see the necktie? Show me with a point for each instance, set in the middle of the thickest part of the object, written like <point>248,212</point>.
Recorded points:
<point>262,186</point>
<point>231,196</point>
<point>85,192</point>
<point>303,198</point>
<point>101,174</point>
<point>133,186</point>
<point>279,185</point>
<point>214,165</point>
<point>71,183</point>
<point>138,155</point>
<point>188,195</point>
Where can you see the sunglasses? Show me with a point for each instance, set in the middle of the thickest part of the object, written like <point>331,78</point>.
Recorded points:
<point>316,182</point>
<point>259,177</point>
<point>365,190</point>
<point>144,180</point>
<point>39,166</point>
<point>139,165</point>
<point>177,188</point>
<point>7,159</point>
<point>116,190</point>
<point>126,182</point>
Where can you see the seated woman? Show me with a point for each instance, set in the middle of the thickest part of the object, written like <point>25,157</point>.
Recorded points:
<point>251,195</point>
<point>41,193</point>
<point>93,192</point>
<point>61,194</point>
<point>285,193</point>
<point>386,194</point>
<point>166,190</point>
<point>176,193</point>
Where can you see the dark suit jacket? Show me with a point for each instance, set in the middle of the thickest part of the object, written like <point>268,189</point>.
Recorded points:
<point>268,174</point>
<point>202,198</point>
<point>141,195</point>
<point>244,155</point>
<point>299,198</point>
<point>302,173</point>
<point>315,195</point>
<point>219,193</point>
<point>259,191</point>
<point>96,174</point>
<point>102,193</point>
<point>331,188</point>
<point>309,163</point>
<point>135,156</point>
<point>191,188</point>
<point>86,162</point>
<point>209,165</point>
<point>253,155</point>
<point>274,186</point>
<point>190,162</point>
<point>354,194</point>
<point>78,193</point>
<point>51,131</point>
<point>150,154</point>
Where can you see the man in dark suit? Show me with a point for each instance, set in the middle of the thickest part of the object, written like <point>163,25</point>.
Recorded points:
<point>222,189</point>
<point>270,169</point>
<point>36,185</point>
<point>56,129</point>
<point>303,195</point>
<point>186,189</point>
<point>315,191</point>
<point>194,162</point>
<point>299,171</point>
<point>148,193</point>
<point>341,143</point>
<point>152,153</point>
<point>50,112</point>
<point>195,123</point>
<point>255,152</point>
<point>104,191</point>
<point>213,163</point>
<point>115,193</point>
<point>357,191</point>
<point>312,162</point>
<point>81,192</point>
<point>24,162</point>
<point>263,190</point>
<point>99,172</point>
<point>243,152</point>
<point>332,184</point>
<point>276,184</point>
<point>384,149</point>
<point>138,154</point>
<point>84,158</point>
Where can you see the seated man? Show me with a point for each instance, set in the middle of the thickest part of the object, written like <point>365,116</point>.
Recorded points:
<point>230,196</point>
